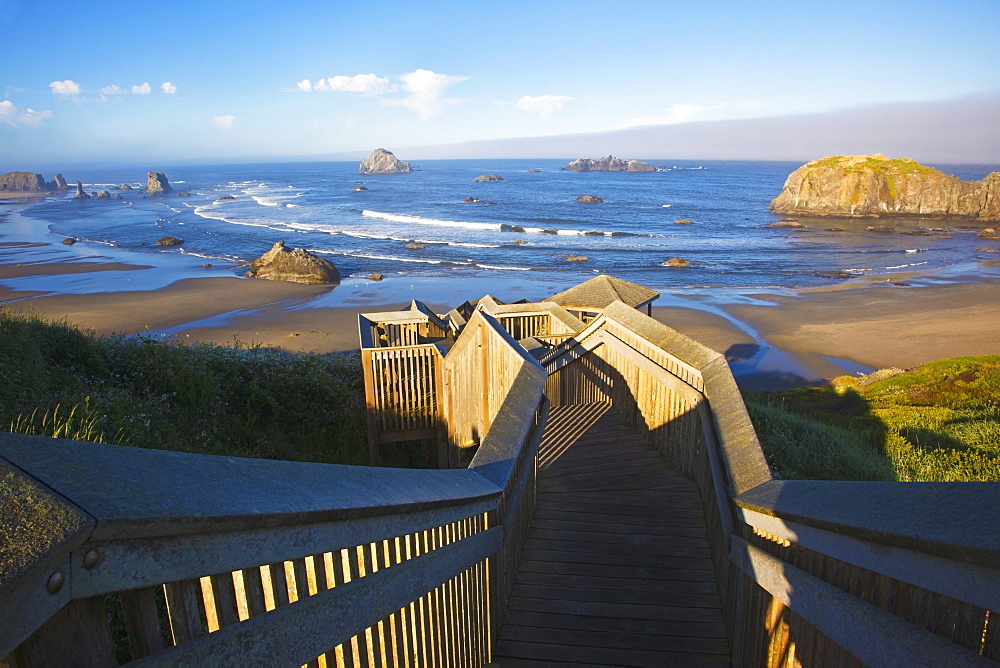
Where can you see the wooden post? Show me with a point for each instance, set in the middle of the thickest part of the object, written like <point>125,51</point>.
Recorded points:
<point>373,436</point>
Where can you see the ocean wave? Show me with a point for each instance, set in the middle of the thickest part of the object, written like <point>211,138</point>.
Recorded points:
<point>904,266</point>
<point>264,201</point>
<point>499,268</point>
<point>393,258</point>
<point>435,222</point>
<point>220,258</point>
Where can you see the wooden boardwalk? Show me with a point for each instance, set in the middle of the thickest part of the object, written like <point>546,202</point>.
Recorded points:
<point>616,569</point>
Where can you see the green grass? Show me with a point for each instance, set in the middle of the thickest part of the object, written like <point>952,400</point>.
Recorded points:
<point>234,400</point>
<point>938,422</point>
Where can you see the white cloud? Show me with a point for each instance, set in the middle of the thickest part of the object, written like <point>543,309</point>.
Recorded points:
<point>223,122</point>
<point>68,87</point>
<point>143,89</point>
<point>168,88</point>
<point>11,115</point>
<point>366,84</point>
<point>112,90</point>
<point>426,92</point>
<point>543,105</point>
<point>7,111</point>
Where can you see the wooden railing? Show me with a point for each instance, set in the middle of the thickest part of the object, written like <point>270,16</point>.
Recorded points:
<point>810,573</point>
<point>403,395</point>
<point>226,561</point>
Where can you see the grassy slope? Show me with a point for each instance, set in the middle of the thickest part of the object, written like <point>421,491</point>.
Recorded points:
<point>938,422</point>
<point>241,401</point>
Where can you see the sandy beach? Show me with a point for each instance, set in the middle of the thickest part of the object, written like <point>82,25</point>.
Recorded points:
<point>773,338</point>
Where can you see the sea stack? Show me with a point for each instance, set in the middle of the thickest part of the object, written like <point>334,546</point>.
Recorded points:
<point>157,184</point>
<point>296,265</point>
<point>874,185</point>
<point>80,194</point>
<point>382,161</point>
<point>23,182</point>
<point>608,163</point>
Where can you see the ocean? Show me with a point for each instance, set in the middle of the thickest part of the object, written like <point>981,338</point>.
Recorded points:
<point>528,227</point>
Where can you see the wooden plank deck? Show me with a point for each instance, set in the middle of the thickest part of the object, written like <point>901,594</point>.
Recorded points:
<point>616,569</point>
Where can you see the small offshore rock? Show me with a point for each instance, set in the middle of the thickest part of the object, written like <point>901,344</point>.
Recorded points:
<point>786,223</point>
<point>534,171</point>
<point>881,229</point>
<point>184,193</point>
<point>207,265</point>
<point>117,196</point>
<point>988,233</point>
<point>358,189</point>
<point>68,241</point>
<point>382,161</point>
<point>375,277</point>
<point>485,178</point>
<point>589,199</point>
<point>415,246</point>
<point>124,186</point>
<point>577,258</point>
<point>472,199</point>
<point>169,241</point>
<point>226,198</point>
<point>683,221</point>
<point>104,194</point>
<point>157,184</point>
<point>296,265</point>
<point>677,262</point>
<point>80,194</point>
<point>520,241</point>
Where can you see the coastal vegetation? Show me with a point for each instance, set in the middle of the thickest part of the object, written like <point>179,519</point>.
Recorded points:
<point>240,400</point>
<point>937,422</point>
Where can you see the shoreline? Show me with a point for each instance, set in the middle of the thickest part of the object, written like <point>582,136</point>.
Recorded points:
<point>773,338</point>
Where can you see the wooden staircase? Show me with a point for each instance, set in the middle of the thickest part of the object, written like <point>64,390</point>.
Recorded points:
<point>616,569</point>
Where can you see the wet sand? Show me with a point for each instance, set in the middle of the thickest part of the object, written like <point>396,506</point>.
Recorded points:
<point>773,339</point>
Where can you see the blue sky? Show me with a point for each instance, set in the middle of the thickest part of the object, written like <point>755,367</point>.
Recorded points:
<point>182,80</point>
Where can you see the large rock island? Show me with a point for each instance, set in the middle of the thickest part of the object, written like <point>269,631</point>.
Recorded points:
<point>873,185</point>
<point>297,265</point>
<point>157,184</point>
<point>382,161</point>
<point>608,163</point>
<point>26,182</point>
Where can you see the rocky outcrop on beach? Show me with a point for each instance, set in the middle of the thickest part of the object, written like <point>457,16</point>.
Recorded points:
<point>157,184</point>
<point>80,194</point>
<point>23,182</point>
<point>382,161</point>
<point>589,199</point>
<point>873,185</point>
<point>608,163</point>
<point>487,178</point>
<point>293,264</point>
<point>59,183</point>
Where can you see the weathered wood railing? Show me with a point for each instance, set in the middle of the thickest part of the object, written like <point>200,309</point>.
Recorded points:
<point>227,561</point>
<point>533,320</point>
<point>811,573</point>
<point>403,395</point>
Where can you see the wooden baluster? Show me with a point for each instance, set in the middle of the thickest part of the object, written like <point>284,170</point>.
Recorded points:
<point>142,621</point>
<point>186,616</point>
